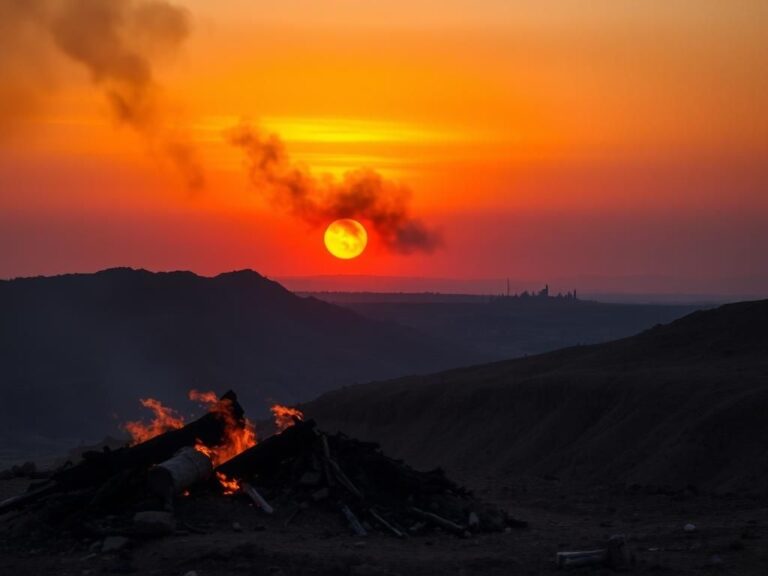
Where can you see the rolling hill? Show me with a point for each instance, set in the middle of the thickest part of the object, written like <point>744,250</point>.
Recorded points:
<point>77,351</point>
<point>684,403</point>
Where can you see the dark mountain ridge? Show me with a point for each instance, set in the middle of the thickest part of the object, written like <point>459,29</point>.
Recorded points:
<point>78,350</point>
<point>684,403</point>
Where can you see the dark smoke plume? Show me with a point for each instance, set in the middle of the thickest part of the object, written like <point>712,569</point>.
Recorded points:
<point>116,41</point>
<point>361,194</point>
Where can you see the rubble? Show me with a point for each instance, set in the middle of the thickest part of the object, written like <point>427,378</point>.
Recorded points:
<point>154,523</point>
<point>134,491</point>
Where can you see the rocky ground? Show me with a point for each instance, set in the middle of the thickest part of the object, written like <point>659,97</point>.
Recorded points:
<point>227,536</point>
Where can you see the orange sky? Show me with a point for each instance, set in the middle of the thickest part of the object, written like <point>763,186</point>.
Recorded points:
<point>544,140</point>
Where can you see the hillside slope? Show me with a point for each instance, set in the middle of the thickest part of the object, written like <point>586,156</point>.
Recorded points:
<point>77,351</point>
<point>677,404</point>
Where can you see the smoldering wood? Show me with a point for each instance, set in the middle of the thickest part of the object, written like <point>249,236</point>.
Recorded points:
<point>185,469</point>
<point>354,523</point>
<point>288,467</point>
<point>113,471</point>
<point>268,454</point>
<point>98,466</point>
<point>257,498</point>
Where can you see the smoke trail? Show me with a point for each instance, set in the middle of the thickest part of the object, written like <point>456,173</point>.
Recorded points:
<point>361,194</point>
<point>115,40</point>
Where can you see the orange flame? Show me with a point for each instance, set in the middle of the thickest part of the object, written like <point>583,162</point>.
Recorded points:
<point>284,416</point>
<point>165,419</point>
<point>239,434</point>
<point>230,485</point>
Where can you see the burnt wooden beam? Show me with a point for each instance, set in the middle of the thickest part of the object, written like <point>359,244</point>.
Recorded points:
<point>97,467</point>
<point>265,456</point>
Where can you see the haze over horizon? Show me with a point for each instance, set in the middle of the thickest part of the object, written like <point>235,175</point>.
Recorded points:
<point>603,288</point>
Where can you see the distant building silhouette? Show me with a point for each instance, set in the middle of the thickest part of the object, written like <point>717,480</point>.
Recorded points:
<point>542,294</point>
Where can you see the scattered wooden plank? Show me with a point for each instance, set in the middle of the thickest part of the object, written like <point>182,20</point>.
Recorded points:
<point>439,521</point>
<point>354,523</point>
<point>376,516</point>
<point>582,558</point>
<point>257,498</point>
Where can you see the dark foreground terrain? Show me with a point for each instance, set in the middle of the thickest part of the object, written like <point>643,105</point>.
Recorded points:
<point>639,437</point>
<point>731,537</point>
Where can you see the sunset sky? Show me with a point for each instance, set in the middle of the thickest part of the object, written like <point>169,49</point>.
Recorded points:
<point>540,140</point>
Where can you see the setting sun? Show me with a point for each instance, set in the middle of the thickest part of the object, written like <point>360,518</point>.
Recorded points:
<point>346,238</point>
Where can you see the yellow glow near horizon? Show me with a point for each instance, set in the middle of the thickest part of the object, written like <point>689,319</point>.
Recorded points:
<point>331,130</point>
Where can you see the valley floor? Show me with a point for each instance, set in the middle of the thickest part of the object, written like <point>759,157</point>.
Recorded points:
<point>731,537</point>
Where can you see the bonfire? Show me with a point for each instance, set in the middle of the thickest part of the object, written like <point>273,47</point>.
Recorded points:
<point>136,489</point>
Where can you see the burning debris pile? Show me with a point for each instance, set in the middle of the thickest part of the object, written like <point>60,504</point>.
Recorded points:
<point>136,490</point>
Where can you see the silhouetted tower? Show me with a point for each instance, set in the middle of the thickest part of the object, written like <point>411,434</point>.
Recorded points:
<point>507,287</point>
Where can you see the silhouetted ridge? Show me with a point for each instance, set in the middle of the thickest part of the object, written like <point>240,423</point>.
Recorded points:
<point>94,344</point>
<point>680,404</point>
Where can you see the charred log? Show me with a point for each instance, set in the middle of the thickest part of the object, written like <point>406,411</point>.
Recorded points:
<point>257,498</point>
<point>267,455</point>
<point>97,467</point>
<point>187,468</point>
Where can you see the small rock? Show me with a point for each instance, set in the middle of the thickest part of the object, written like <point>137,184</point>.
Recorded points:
<point>321,494</point>
<point>154,523</point>
<point>715,561</point>
<point>237,527</point>
<point>690,527</point>
<point>191,573</point>
<point>114,544</point>
<point>473,521</point>
<point>359,544</point>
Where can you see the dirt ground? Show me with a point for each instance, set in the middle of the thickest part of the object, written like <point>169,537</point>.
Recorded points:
<point>220,536</point>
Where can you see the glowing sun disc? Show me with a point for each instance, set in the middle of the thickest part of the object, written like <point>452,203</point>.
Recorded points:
<point>346,238</point>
